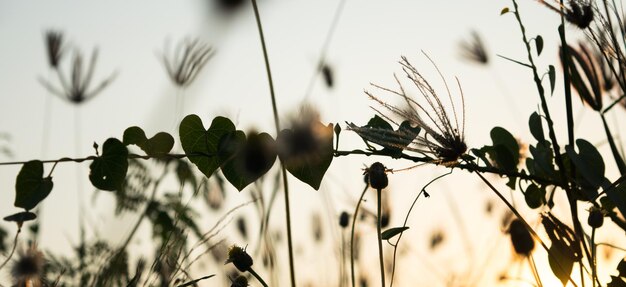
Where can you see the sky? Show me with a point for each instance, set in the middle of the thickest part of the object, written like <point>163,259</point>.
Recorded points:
<point>370,37</point>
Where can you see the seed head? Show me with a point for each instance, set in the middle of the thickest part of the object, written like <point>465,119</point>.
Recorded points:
<point>54,47</point>
<point>28,267</point>
<point>187,61</point>
<point>444,135</point>
<point>240,258</point>
<point>523,242</point>
<point>474,50</point>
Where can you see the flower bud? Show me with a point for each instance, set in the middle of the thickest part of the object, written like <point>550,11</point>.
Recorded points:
<point>596,218</point>
<point>344,218</point>
<point>377,176</point>
<point>239,257</point>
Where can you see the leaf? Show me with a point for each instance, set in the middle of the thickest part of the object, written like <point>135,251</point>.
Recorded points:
<point>30,186</point>
<point>160,144</point>
<point>391,232</point>
<point>564,251</point>
<point>306,150</point>
<point>195,281</point>
<point>21,217</point>
<point>505,150</point>
<point>200,144</point>
<point>504,11</point>
<point>108,171</point>
<point>588,162</point>
<point>536,127</point>
<point>534,196</point>
<point>617,197</point>
<point>539,44</point>
<point>244,160</point>
<point>552,76</point>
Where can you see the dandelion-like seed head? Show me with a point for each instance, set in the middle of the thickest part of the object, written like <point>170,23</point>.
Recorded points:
<point>240,258</point>
<point>443,136</point>
<point>188,59</point>
<point>474,50</point>
<point>54,47</point>
<point>28,267</point>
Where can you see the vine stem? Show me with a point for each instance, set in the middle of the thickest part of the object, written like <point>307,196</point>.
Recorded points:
<point>12,250</point>
<point>380,238</point>
<point>257,276</point>
<point>277,124</point>
<point>354,216</point>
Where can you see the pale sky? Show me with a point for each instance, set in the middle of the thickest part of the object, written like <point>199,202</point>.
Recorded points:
<point>369,40</point>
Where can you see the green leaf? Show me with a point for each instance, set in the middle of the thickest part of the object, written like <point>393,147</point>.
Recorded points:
<point>539,44</point>
<point>160,144</point>
<point>31,187</point>
<point>108,171</point>
<point>536,127</point>
<point>306,150</point>
<point>391,232</point>
<point>534,196</point>
<point>504,11</point>
<point>552,76</point>
<point>200,144</point>
<point>244,160</point>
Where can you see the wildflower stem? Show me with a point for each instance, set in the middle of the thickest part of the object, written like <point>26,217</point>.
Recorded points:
<point>619,161</point>
<point>12,249</point>
<point>594,270</point>
<point>354,217</point>
<point>256,275</point>
<point>380,238</point>
<point>277,124</point>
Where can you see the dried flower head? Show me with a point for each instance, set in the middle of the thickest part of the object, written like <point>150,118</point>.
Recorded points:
<point>28,268</point>
<point>77,89</point>
<point>240,258</point>
<point>596,217</point>
<point>54,47</point>
<point>474,50</point>
<point>188,59</point>
<point>444,135</point>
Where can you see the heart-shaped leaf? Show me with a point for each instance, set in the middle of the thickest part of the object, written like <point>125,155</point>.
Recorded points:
<point>201,144</point>
<point>588,162</point>
<point>160,144</point>
<point>108,171</point>
<point>391,232</point>
<point>242,160</point>
<point>31,187</point>
<point>306,150</point>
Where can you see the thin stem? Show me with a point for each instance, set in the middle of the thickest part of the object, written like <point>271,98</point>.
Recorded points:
<point>594,270</point>
<point>12,249</point>
<point>322,57</point>
<point>256,275</point>
<point>277,124</point>
<point>380,238</point>
<point>406,219</point>
<point>533,268</point>
<point>354,217</point>
<point>619,161</point>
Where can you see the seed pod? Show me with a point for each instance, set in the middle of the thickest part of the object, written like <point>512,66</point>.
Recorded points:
<point>523,242</point>
<point>344,219</point>
<point>377,176</point>
<point>240,258</point>
<point>596,218</point>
